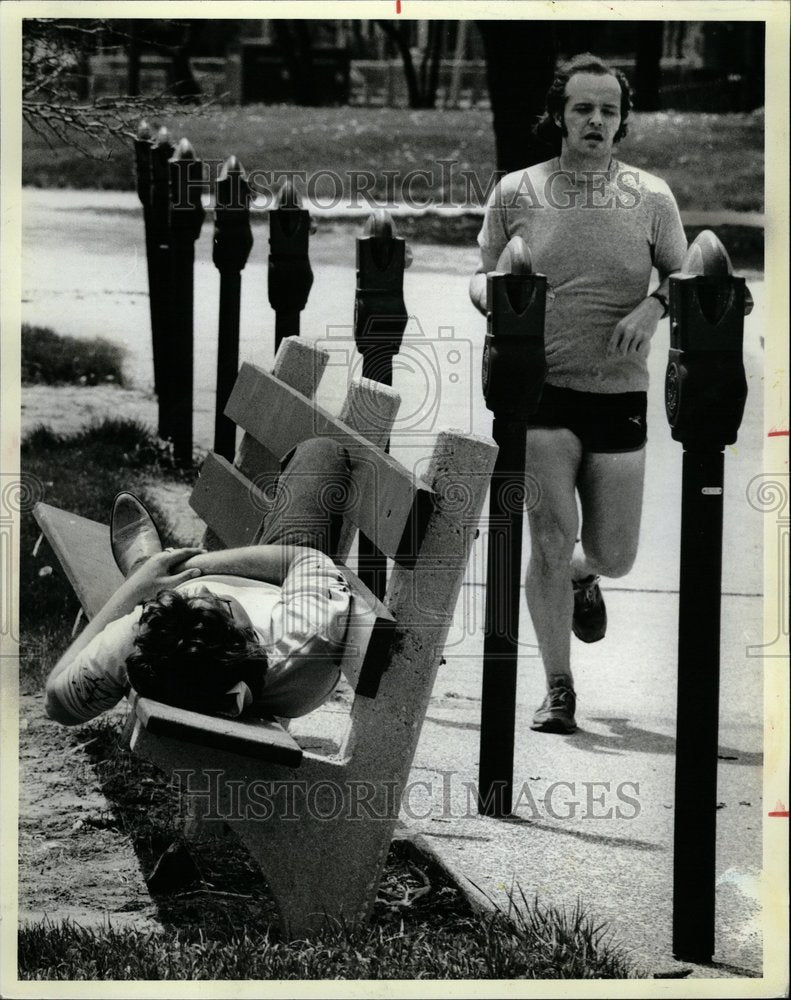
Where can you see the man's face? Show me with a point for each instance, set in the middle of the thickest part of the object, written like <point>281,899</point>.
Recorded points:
<point>592,115</point>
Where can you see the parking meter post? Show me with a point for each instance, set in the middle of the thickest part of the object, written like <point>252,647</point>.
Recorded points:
<point>233,240</point>
<point>514,369</point>
<point>290,276</point>
<point>186,218</point>
<point>705,393</point>
<point>380,319</point>
<point>159,275</point>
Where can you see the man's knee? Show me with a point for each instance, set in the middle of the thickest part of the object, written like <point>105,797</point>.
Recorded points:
<point>317,455</point>
<point>612,560</point>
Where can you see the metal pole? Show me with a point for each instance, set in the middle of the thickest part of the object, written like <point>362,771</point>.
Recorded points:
<point>143,150</point>
<point>698,705</point>
<point>290,276</point>
<point>380,319</point>
<point>501,631</point>
<point>514,370</point>
<point>186,219</point>
<point>160,274</point>
<point>233,240</point>
<point>705,392</point>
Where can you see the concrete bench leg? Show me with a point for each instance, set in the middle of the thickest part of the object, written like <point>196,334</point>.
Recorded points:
<point>321,874</point>
<point>321,854</point>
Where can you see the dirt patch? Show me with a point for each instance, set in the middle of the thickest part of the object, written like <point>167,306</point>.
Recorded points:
<point>74,861</point>
<point>68,408</point>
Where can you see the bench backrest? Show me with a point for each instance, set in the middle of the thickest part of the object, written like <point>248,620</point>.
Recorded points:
<point>386,504</point>
<point>425,526</point>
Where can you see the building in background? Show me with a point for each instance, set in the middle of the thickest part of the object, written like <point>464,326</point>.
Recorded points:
<point>681,65</point>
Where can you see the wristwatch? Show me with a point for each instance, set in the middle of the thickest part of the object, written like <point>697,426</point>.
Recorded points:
<point>661,297</point>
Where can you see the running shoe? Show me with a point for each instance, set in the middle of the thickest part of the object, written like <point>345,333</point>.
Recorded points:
<point>556,712</point>
<point>589,622</point>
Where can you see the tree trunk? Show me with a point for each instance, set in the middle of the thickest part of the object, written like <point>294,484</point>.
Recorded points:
<point>754,66</point>
<point>399,36</point>
<point>308,90</point>
<point>184,85</point>
<point>133,62</point>
<point>648,69</point>
<point>520,62</point>
<point>436,47</point>
<point>293,37</point>
<point>452,97</point>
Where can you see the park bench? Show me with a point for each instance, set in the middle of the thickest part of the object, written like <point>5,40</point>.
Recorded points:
<point>322,853</point>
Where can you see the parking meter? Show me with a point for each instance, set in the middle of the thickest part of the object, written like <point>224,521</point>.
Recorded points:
<point>186,186</point>
<point>514,365</point>
<point>233,238</point>
<point>380,315</point>
<point>290,276</point>
<point>186,219</point>
<point>160,186</point>
<point>705,393</point>
<point>705,385</point>
<point>514,369</point>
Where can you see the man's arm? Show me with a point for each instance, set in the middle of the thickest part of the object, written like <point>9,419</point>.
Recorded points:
<point>669,244</point>
<point>269,563</point>
<point>492,240</point>
<point>155,574</point>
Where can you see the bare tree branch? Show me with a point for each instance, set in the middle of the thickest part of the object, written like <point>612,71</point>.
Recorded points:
<point>55,55</point>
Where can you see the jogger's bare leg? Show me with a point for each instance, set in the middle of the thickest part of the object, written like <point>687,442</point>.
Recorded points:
<point>553,458</point>
<point>611,495</point>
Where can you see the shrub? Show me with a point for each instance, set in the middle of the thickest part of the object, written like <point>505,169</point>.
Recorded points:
<point>51,359</point>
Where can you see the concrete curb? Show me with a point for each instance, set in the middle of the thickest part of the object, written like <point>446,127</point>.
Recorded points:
<point>416,847</point>
<point>127,201</point>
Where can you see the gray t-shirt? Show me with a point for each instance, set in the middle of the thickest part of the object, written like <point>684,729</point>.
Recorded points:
<point>596,237</point>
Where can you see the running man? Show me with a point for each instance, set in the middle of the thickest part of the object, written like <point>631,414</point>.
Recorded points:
<point>596,228</point>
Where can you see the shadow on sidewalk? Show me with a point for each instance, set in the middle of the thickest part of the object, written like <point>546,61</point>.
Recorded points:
<point>626,738</point>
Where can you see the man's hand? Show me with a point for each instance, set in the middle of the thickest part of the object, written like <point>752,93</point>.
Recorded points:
<point>632,335</point>
<point>161,572</point>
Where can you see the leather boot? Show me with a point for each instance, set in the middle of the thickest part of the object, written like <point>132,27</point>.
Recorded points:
<point>133,535</point>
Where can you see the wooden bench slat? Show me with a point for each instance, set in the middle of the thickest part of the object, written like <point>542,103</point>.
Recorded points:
<point>83,549</point>
<point>231,505</point>
<point>391,508</point>
<point>263,739</point>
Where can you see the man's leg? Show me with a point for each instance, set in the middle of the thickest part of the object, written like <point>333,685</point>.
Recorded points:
<point>553,458</point>
<point>611,494</point>
<point>309,498</point>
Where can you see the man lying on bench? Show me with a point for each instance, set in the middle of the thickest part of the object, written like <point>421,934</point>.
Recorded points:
<point>261,626</point>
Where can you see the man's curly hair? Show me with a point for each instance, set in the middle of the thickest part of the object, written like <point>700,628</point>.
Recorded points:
<point>547,129</point>
<point>190,651</point>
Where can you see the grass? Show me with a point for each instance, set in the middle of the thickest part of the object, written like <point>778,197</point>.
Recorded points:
<point>49,358</point>
<point>679,146</point>
<point>216,921</point>
<point>542,944</point>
